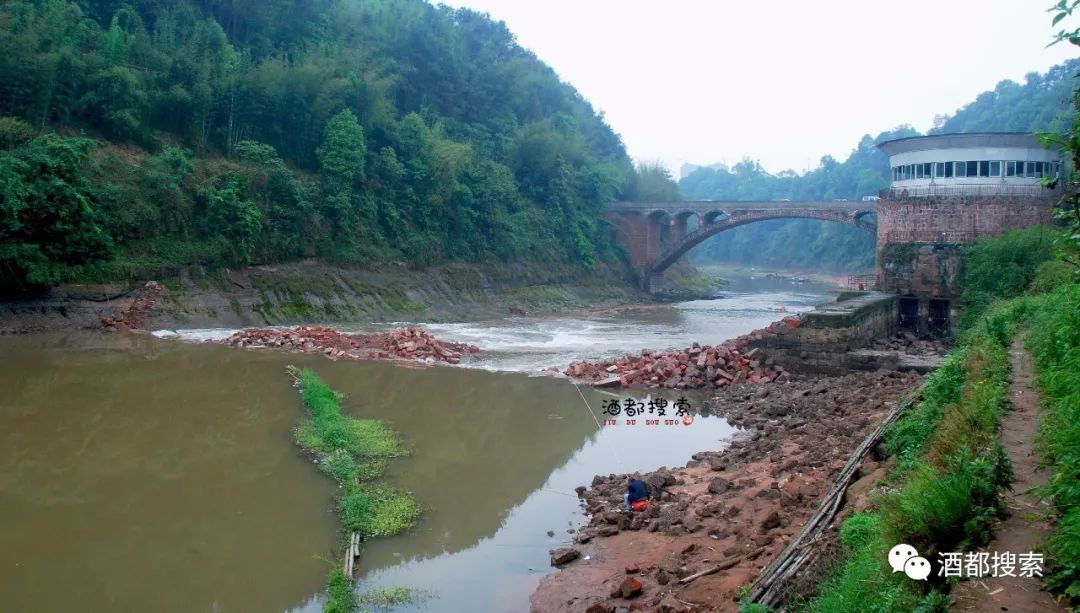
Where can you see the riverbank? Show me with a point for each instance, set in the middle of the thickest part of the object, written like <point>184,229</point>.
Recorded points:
<point>316,292</point>
<point>795,276</point>
<point>727,511</point>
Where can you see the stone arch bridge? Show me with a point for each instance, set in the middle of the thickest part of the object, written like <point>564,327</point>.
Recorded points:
<point>657,234</point>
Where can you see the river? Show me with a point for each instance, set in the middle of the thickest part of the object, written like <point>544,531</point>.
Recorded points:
<point>147,473</point>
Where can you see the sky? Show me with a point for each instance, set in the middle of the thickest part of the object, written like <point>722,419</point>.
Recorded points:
<point>784,82</point>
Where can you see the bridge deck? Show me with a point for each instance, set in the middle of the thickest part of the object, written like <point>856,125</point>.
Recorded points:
<point>707,206</point>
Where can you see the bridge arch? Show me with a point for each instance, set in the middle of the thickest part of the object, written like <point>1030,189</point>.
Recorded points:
<point>657,234</point>
<point>657,266</point>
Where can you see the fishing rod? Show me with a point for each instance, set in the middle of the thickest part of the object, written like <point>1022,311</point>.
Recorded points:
<point>618,460</point>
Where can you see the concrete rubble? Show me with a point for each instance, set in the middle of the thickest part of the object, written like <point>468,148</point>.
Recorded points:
<point>400,344</point>
<point>698,366</point>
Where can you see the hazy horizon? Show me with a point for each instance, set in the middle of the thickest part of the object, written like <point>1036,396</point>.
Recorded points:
<point>706,82</point>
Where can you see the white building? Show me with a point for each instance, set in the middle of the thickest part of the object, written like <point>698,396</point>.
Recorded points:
<point>975,164</point>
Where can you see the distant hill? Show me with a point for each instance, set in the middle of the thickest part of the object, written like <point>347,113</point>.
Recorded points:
<point>1040,104</point>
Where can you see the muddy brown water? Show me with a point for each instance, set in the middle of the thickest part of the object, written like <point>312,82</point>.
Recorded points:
<point>139,473</point>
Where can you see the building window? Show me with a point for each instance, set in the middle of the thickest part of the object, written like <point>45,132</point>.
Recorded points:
<point>948,169</point>
<point>928,169</point>
<point>995,169</point>
<point>961,169</point>
<point>984,168</point>
<point>972,169</point>
<point>1029,169</point>
<point>1010,169</point>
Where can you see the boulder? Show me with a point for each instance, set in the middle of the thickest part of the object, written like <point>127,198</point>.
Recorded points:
<point>719,485</point>
<point>629,588</point>
<point>772,520</point>
<point>563,555</point>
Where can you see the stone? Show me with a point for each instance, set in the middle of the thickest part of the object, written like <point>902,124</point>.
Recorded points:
<point>600,607</point>
<point>629,588</point>
<point>563,555</point>
<point>663,577</point>
<point>719,485</point>
<point>772,520</point>
<point>692,522</point>
<point>717,463</point>
<point>608,530</point>
<point>670,604</point>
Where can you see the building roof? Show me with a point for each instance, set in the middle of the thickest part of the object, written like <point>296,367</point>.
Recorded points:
<point>966,139</point>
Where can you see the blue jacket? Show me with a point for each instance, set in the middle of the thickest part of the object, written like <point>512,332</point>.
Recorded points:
<point>638,490</point>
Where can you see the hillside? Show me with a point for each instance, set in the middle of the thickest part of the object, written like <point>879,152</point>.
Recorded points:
<point>137,138</point>
<point>1040,104</point>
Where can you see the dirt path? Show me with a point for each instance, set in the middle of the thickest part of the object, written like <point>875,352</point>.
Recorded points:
<point>1025,529</point>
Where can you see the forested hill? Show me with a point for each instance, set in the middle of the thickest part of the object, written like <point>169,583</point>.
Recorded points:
<point>1042,103</point>
<point>140,137</point>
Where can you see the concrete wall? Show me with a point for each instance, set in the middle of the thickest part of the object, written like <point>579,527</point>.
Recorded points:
<point>822,342</point>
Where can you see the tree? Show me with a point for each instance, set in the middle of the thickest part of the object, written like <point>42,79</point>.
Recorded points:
<point>651,182</point>
<point>48,221</point>
<point>343,149</point>
<point>1068,141</point>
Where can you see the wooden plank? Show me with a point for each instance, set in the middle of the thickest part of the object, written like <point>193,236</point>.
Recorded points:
<point>769,587</point>
<point>723,565</point>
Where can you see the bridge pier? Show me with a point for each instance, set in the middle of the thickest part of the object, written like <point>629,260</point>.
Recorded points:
<point>639,226</point>
<point>650,282</point>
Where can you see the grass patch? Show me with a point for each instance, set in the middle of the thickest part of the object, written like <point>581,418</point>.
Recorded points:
<point>340,597</point>
<point>387,597</point>
<point>910,437</point>
<point>1054,342</point>
<point>353,452</point>
<point>862,581</point>
<point>378,511</point>
<point>945,488</point>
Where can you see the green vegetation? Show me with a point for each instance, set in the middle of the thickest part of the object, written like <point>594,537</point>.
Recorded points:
<point>910,437</point>
<point>1005,268</point>
<point>946,485</point>
<point>221,134</point>
<point>1054,341</point>
<point>1035,105</point>
<point>388,597</point>
<point>340,597</point>
<point>353,452</point>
